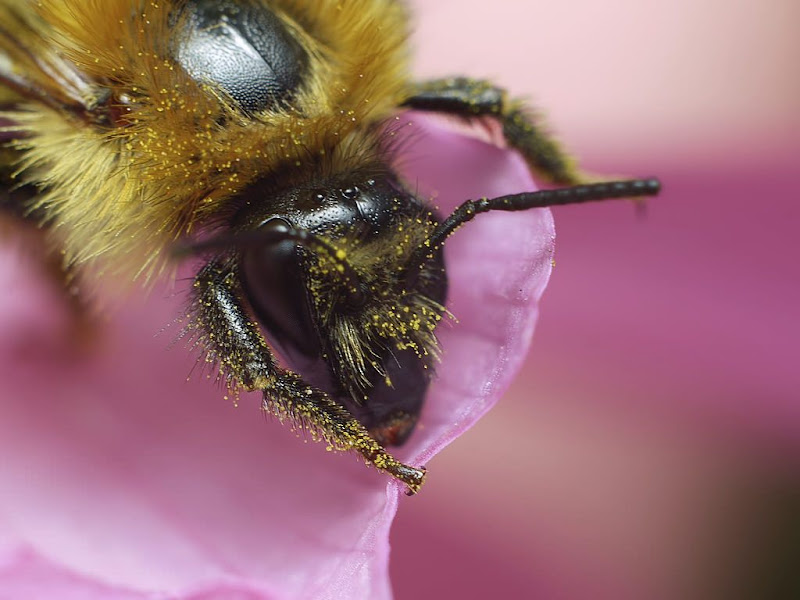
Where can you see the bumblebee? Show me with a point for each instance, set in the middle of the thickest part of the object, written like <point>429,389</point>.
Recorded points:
<point>253,133</point>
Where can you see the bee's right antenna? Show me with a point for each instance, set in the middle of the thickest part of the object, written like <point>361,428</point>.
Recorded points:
<point>539,199</point>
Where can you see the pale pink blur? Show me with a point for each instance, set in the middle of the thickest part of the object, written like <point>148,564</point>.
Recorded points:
<point>650,447</point>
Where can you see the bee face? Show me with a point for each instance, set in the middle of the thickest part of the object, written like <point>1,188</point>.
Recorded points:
<point>363,332</point>
<point>253,132</point>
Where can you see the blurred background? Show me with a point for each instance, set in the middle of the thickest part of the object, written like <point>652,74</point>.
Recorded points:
<point>650,448</point>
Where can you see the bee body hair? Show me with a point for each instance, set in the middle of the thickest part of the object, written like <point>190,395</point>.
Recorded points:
<point>173,151</point>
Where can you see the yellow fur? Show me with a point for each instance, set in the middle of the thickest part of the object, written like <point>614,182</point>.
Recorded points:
<point>123,192</point>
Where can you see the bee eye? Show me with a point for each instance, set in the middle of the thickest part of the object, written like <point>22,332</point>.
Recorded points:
<point>274,282</point>
<point>244,49</point>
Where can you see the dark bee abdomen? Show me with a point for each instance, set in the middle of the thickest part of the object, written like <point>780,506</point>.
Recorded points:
<point>245,50</point>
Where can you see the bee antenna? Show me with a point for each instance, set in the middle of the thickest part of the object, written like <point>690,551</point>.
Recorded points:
<point>578,194</point>
<point>274,232</point>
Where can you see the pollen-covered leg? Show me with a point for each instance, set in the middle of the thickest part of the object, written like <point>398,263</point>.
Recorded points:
<point>233,341</point>
<point>288,396</point>
<point>474,98</point>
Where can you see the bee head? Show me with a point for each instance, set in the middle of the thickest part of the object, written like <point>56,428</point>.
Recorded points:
<point>324,268</point>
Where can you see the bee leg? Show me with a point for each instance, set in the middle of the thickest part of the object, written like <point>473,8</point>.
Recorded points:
<point>232,340</point>
<point>466,97</point>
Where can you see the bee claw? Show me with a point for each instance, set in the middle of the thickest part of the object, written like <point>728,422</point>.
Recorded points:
<point>414,478</point>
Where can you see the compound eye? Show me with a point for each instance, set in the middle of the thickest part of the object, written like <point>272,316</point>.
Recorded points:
<point>244,49</point>
<point>275,283</point>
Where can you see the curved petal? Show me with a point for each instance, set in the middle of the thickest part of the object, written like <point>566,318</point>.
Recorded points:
<point>123,479</point>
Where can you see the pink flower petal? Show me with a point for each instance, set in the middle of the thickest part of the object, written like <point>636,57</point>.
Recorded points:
<point>121,479</point>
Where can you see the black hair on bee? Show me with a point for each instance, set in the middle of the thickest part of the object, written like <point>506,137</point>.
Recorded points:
<point>252,132</point>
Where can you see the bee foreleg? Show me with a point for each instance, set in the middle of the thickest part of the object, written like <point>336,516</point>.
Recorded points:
<point>233,341</point>
<point>466,97</point>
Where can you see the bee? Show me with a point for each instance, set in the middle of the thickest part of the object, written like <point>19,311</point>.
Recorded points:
<point>252,133</point>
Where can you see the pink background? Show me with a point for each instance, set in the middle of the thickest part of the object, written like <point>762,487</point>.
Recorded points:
<point>649,448</point>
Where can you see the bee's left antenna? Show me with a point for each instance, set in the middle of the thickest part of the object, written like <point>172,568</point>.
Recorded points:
<point>577,194</point>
